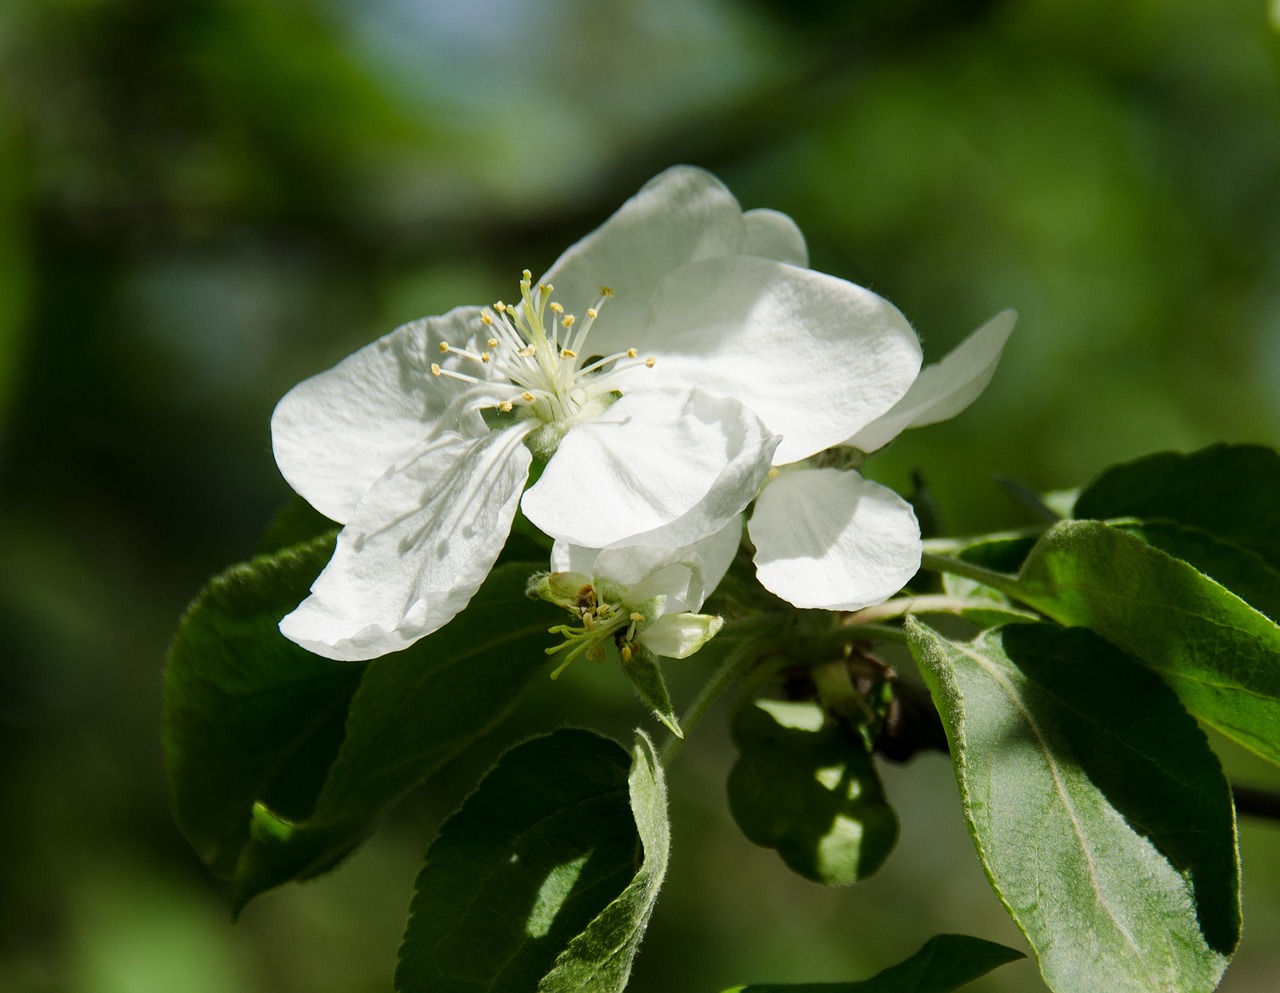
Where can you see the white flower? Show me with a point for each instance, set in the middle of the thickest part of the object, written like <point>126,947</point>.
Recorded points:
<point>421,443</point>
<point>827,538</point>
<point>637,596</point>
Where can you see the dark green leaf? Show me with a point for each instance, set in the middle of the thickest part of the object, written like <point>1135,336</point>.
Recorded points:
<point>1231,491</point>
<point>280,761</point>
<point>1098,809</point>
<point>599,959</point>
<point>414,710</point>
<point>807,788</point>
<point>1219,654</point>
<point>945,963</point>
<point>545,843</point>
<point>248,714</point>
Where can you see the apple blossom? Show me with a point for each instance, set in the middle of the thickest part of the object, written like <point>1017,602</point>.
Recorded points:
<point>637,596</point>
<point>421,443</point>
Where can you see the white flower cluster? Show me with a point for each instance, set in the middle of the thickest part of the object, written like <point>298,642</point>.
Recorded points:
<point>675,368</point>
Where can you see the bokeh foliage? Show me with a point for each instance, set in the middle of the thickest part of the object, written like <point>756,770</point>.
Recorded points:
<point>202,201</point>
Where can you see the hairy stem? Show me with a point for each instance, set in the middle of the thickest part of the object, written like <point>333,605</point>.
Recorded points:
<point>753,641</point>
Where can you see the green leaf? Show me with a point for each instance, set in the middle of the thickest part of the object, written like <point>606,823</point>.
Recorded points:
<point>1002,553</point>
<point>279,761</point>
<point>414,710</point>
<point>945,963</point>
<point>1244,573</point>
<point>646,677</point>
<point>542,846</point>
<point>1099,812</point>
<point>249,715</point>
<point>807,787</point>
<point>1220,655</point>
<point>1231,491</point>
<point>599,959</point>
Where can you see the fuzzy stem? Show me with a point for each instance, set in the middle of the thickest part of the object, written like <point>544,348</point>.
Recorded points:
<point>735,662</point>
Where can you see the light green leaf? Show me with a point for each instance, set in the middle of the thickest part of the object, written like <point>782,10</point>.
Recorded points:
<point>945,963</point>
<point>1231,491</point>
<point>599,959</point>
<point>1244,573</point>
<point>542,846</point>
<point>1220,655</point>
<point>280,762</point>
<point>806,787</point>
<point>1099,812</point>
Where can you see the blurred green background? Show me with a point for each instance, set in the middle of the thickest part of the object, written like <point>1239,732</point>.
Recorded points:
<point>203,201</point>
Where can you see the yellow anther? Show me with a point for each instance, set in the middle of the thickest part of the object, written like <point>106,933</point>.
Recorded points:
<point>568,353</point>
<point>492,342</point>
<point>527,397</point>
<point>632,353</point>
<point>500,307</point>
<point>624,653</point>
<point>435,369</point>
<point>443,346</point>
<point>650,362</point>
<point>486,319</point>
<point>606,291</point>
<point>568,320</point>
<point>485,356</point>
<point>556,308</point>
<point>635,616</point>
<point>592,313</point>
<point>505,406</point>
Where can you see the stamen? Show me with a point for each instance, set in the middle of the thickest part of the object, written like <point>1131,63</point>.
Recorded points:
<point>568,353</point>
<point>444,347</point>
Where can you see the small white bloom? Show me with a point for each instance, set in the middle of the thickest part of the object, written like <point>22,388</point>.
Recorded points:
<point>637,596</point>
<point>825,537</point>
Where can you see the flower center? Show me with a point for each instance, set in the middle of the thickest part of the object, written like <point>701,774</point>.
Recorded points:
<point>540,351</point>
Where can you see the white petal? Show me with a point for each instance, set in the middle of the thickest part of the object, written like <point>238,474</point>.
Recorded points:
<point>416,548</point>
<point>336,433</point>
<point>816,357</point>
<point>833,540</point>
<point>944,388</point>
<point>661,467</point>
<point>671,588</point>
<point>677,636</point>
<point>680,215</point>
<point>631,565</point>
<point>773,235</point>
